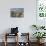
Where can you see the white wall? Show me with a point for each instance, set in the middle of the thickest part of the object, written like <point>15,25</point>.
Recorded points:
<point>24,24</point>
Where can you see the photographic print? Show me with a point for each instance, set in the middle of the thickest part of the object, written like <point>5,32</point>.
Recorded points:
<point>17,12</point>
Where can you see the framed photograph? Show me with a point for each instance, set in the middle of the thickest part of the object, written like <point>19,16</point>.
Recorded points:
<point>17,12</point>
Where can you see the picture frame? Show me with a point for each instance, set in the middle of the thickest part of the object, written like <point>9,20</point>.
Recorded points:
<point>17,12</point>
